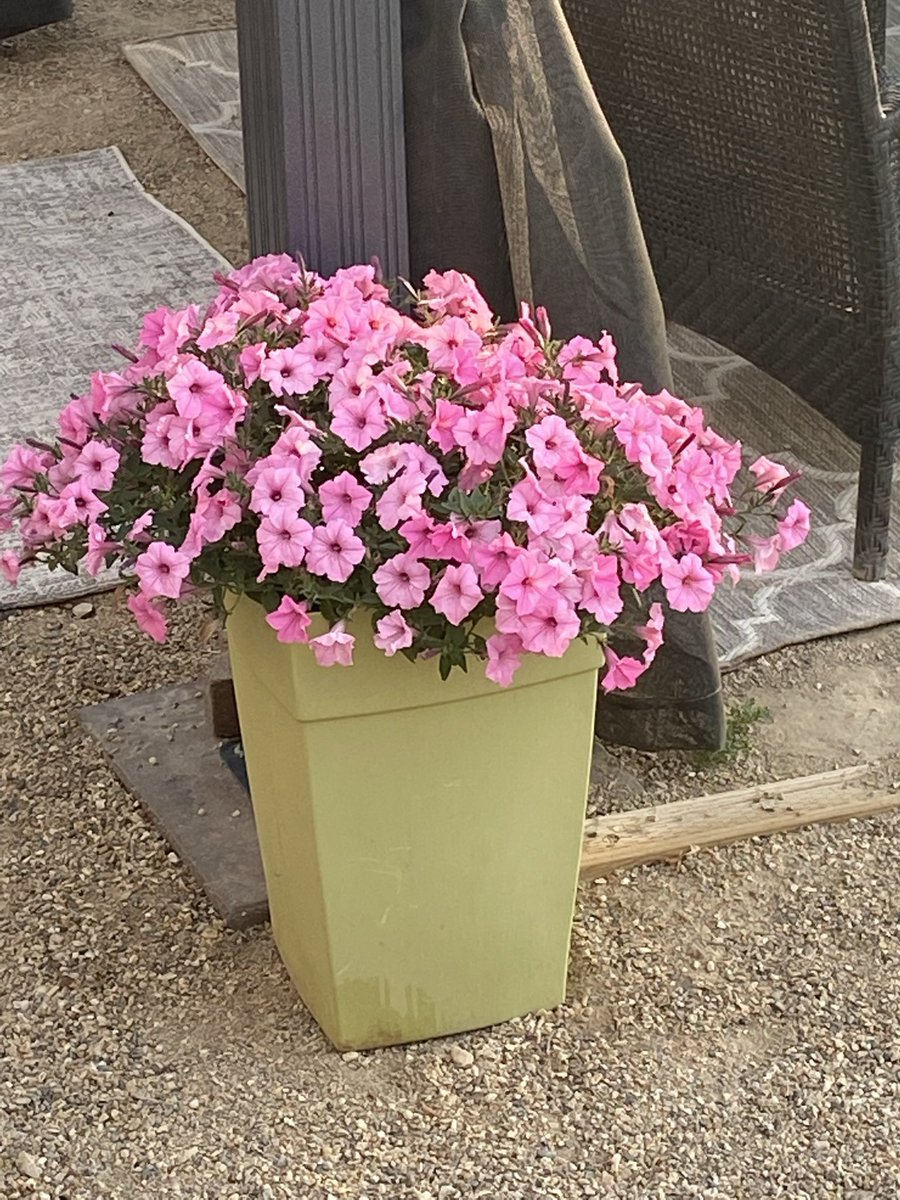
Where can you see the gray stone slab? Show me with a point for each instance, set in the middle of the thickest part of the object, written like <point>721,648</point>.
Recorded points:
<point>162,748</point>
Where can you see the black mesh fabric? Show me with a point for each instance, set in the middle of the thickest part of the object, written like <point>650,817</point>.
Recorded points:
<point>18,16</point>
<point>515,178</point>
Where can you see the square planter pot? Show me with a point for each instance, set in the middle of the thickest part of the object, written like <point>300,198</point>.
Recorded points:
<point>420,838</point>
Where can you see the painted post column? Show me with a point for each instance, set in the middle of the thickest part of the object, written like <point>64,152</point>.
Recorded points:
<point>322,115</point>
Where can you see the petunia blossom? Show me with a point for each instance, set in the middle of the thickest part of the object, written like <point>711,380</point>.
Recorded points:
<point>621,672</point>
<point>793,529</point>
<point>689,585</point>
<point>550,628</point>
<point>457,593</point>
<point>283,539</point>
<point>358,421</point>
<point>402,581</point>
<point>504,657</point>
<point>191,384</point>
<point>162,570</point>
<point>334,551</point>
<point>344,498</point>
<point>96,465</point>
<point>334,648</point>
<point>148,614</point>
<point>392,633</point>
<point>290,620</point>
<point>288,372</point>
<point>771,477</point>
<point>10,565</point>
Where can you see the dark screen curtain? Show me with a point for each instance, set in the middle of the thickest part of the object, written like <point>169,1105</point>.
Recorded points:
<point>514,177</point>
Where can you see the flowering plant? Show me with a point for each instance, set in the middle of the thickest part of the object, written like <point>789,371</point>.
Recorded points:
<point>318,447</point>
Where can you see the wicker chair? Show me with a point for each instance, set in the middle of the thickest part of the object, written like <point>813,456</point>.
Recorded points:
<point>767,176</point>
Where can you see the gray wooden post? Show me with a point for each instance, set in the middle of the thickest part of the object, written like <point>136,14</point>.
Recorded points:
<point>322,114</point>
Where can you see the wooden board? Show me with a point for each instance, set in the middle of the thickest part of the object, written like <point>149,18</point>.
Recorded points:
<point>162,748</point>
<point>668,831</point>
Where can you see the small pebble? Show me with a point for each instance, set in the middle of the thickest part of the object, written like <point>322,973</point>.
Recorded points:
<point>82,610</point>
<point>27,1164</point>
<point>461,1056</point>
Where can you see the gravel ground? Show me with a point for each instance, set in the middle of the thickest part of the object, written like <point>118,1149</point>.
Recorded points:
<point>731,1027</point>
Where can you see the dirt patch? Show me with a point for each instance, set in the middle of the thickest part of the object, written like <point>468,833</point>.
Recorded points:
<point>68,88</point>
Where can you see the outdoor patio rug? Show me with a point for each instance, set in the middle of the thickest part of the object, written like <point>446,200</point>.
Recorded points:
<point>86,253</point>
<point>196,76</point>
<point>814,594</point>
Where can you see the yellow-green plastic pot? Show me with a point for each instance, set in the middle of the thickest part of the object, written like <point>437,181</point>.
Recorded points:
<point>420,838</point>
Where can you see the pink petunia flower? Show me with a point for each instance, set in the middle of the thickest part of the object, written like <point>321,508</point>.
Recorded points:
<point>450,539</point>
<point>97,549</point>
<point>494,559</point>
<point>452,348</point>
<point>531,580</point>
<point>334,648</point>
<point>22,465</point>
<point>693,476</point>
<point>417,531</point>
<point>77,504</point>
<point>213,517</point>
<point>601,593</point>
<point>251,359</point>
<point>689,585</point>
<point>162,570</point>
<point>457,593</point>
<point>191,385</point>
<point>290,620</point>
<point>549,439</point>
<point>322,355</point>
<point>482,433</point>
<point>10,565</point>
<point>550,628</point>
<point>504,657</point>
<point>283,539</point>
<point>457,294</point>
<point>143,523</point>
<point>529,503</point>
<point>793,529</point>
<point>344,499</point>
<point>652,632</point>
<point>766,552</point>
<point>393,633</point>
<point>277,487</point>
<point>165,442</point>
<point>402,581</point>
<point>771,477</point>
<point>148,616</point>
<point>334,551</point>
<point>288,372</point>
<point>218,330</point>
<point>621,672</point>
<point>358,421</point>
<point>447,418</point>
<point>97,465</point>
<point>401,499</point>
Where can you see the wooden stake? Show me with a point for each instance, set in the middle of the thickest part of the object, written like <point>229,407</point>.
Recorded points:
<point>670,830</point>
